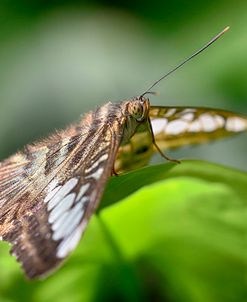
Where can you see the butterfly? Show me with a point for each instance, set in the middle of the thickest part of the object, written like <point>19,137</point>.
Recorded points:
<point>50,190</point>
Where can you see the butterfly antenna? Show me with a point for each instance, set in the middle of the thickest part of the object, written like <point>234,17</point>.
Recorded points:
<point>188,59</point>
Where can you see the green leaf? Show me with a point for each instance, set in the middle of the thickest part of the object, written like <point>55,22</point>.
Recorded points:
<point>163,233</point>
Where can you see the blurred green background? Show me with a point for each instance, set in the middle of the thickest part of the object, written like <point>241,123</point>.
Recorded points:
<point>60,59</point>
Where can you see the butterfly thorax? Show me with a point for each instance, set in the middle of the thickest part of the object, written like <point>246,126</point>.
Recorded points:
<point>135,112</point>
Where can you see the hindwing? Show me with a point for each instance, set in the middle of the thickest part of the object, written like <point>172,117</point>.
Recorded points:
<point>175,127</point>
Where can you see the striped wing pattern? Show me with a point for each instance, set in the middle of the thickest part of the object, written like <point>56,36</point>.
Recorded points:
<point>48,194</point>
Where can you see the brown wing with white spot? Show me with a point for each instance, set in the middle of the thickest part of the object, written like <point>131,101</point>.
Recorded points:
<point>49,194</point>
<point>175,127</point>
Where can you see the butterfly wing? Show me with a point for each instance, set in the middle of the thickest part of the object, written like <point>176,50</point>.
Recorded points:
<point>49,193</point>
<point>175,127</point>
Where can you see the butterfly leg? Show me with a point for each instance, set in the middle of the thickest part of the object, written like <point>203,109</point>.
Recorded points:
<point>113,172</point>
<point>158,148</point>
<point>165,156</point>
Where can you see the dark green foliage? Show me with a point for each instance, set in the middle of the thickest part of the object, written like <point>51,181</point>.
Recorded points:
<point>163,233</point>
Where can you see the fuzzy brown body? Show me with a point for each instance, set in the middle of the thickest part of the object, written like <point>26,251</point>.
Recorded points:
<point>49,191</point>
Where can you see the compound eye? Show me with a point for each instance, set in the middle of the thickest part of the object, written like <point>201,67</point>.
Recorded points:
<point>137,111</point>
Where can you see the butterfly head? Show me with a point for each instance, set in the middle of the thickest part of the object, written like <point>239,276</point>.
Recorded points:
<point>138,108</point>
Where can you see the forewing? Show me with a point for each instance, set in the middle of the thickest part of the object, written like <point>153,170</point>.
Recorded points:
<point>175,127</point>
<point>46,215</point>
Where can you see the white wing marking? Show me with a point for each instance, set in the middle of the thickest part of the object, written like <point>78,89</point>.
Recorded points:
<point>60,221</point>
<point>50,195</point>
<point>176,127</point>
<point>63,205</point>
<point>96,164</point>
<point>71,242</point>
<point>83,190</point>
<point>189,116</point>
<point>158,125</point>
<point>96,175</point>
<point>220,121</point>
<point>170,112</point>
<point>60,194</point>
<point>70,223</point>
<point>236,124</point>
<point>195,126</point>
<point>208,122</point>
